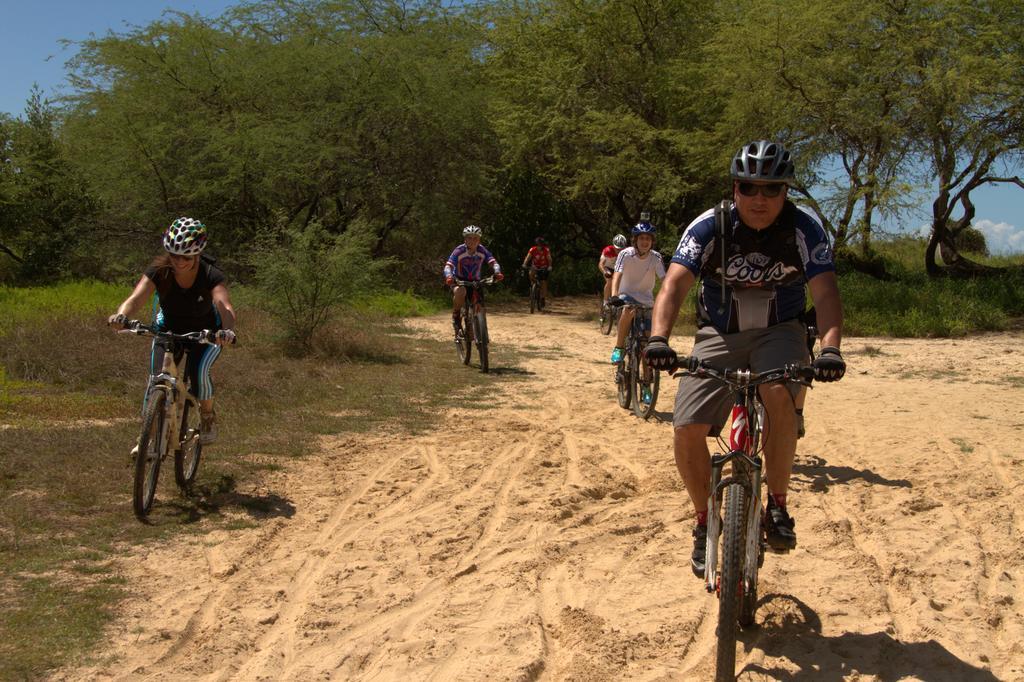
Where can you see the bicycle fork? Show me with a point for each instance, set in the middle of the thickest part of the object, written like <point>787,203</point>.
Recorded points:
<point>746,471</point>
<point>168,385</point>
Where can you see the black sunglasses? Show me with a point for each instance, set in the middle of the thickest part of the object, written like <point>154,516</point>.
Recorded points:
<point>749,189</point>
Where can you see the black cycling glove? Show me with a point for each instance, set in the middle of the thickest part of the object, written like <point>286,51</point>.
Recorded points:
<point>659,354</point>
<point>829,365</point>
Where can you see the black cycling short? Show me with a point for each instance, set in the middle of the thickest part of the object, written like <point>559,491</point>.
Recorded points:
<point>542,273</point>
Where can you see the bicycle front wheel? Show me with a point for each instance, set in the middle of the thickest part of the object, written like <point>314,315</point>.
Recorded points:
<point>624,382</point>
<point>464,340</point>
<point>534,298</point>
<point>730,588</point>
<point>607,318</point>
<point>645,389</point>
<point>482,341</point>
<point>189,449</point>
<point>152,446</point>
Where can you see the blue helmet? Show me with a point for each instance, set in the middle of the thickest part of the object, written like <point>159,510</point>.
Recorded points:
<point>644,227</point>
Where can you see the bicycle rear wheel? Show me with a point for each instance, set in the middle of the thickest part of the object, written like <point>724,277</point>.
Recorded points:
<point>730,586</point>
<point>188,449</point>
<point>152,447</point>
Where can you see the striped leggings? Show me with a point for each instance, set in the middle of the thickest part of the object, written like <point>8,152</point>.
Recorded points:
<point>200,359</point>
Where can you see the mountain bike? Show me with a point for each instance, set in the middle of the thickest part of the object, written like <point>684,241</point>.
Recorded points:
<point>742,546</point>
<point>636,383</point>
<point>537,301</point>
<point>473,326</point>
<point>171,417</point>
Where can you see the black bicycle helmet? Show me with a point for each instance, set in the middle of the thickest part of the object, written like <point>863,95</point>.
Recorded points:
<point>763,160</point>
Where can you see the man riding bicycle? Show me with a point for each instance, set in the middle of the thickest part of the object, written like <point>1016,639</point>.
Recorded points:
<point>540,262</point>
<point>466,263</point>
<point>772,250</point>
<point>635,271</point>
<point>606,263</point>
<point>193,296</point>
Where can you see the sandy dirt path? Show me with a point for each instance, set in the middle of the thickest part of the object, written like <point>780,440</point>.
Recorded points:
<point>543,534</point>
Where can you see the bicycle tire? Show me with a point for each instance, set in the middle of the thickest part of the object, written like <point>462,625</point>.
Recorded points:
<point>730,585</point>
<point>482,341</point>
<point>607,319</point>
<point>640,408</point>
<point>748,600</point>
<point>534,299</point>
<point>189,448</point>
<point>151,451</point>
<point>464,340</point>
<point>624,382</point>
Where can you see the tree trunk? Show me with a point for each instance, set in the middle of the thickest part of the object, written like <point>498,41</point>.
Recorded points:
<point>5,249</point>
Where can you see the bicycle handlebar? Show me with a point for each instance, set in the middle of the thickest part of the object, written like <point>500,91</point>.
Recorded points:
<point>207,336</point>
<point>616,302</point>
<point>475,282</point>
<point>795,373</point>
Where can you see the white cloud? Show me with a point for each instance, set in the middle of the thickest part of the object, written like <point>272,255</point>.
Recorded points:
<point>1002,238</point>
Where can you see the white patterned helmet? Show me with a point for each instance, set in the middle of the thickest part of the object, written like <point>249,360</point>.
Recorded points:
<point>185,237</point>
<point>472,229</point>
<point>620,241</point>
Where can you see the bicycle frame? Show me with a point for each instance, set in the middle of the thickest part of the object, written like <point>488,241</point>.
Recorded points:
<point>473,304</point>
<point>170,381</point>
<point>632,375</point>
<point>474,322</point>
<point>744,453</point>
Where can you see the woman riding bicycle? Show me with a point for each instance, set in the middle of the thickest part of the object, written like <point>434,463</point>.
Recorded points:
<point>193,296</point>
<point>635,272</point>
<point>466,263</point>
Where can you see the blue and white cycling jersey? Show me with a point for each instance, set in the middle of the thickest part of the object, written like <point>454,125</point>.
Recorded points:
<point>766,271</point>
<point>469,266</point>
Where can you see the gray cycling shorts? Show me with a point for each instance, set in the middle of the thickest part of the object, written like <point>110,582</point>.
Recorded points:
<point>708,401</point>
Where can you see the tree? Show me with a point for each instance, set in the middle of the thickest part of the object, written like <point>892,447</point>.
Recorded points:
<point>43,199</point>
<point>968,112</point>
<point>589,99</point>
<point>341,112</point>
<point>824,78</point>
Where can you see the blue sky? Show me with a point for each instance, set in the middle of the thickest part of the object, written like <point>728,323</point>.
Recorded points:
<point>31,52</point>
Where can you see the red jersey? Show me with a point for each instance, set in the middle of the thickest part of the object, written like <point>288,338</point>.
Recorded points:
<point>540,257</point>
<point>610,251</point>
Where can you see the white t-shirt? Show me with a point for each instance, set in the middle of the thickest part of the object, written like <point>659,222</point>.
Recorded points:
<point>638,274</point>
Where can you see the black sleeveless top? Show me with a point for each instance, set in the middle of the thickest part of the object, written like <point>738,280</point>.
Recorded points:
<point>192,309</point>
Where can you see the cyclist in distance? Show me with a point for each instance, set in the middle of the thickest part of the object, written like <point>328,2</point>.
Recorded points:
<point>773,249</point>
<point>193,296</point>
<point>466,263</point>
<point>540,262</point>
<point>635,272</point>
<point>606,263</point>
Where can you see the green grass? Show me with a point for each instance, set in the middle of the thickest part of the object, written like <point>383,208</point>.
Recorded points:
<point>25,304</point>
<point>915,305</point>
<point>69,396</point>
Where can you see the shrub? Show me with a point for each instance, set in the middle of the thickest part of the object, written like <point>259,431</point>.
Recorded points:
<point>305,276</point>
